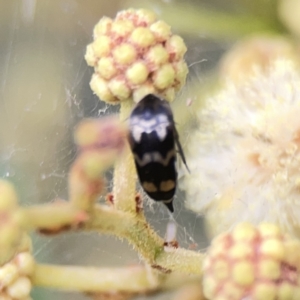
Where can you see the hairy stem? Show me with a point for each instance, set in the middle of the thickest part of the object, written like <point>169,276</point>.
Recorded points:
<point>124,189</point>
<point>138,232</point>
<point>52,216</point>
<point>131,279</point>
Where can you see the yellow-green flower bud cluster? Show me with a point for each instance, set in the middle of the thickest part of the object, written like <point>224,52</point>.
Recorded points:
<point>256,263</point>
<point>15,282</point>
<point>133,55</point>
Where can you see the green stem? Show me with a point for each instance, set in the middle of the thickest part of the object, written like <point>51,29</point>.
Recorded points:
<point>145,241</point>
<point>52,216</point>
<point>132,279</point>
<point>124,190</point>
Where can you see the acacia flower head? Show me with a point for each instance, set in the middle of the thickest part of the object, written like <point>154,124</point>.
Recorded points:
<point>245,156</point>
<point>16,261</point>
<point>15,277</point>
<point>133,55</point>
<point>256,263</point>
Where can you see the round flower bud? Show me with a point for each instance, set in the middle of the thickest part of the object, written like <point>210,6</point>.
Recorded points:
<point>20,288</point>
<point>142,37</point>
<point>119,88</point>
<point>25,263</point>
<point>140,52</point>
<point>247,263</point>
<point>122,28</point>
<point>156,56</point>
<point>181,71</point>
<point>137,73</point>
<point>8,274</point>
<point>102,46</point>
<point>176,47</point>
<point>100,87</point>
<point>102,27</point>
<point>106,68</point>
<point>161,30</point>
<point>164,76</point>
<point>124,54</point>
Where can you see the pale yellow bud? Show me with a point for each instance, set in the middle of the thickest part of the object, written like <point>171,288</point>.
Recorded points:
<point>286,292</point>
<point>100,88</point>
<point>232,291</point>
<point>244,231</point>
<point>145,16</point>
<point>221,269</point>
<point>156,56</point>
<point>210,287</point>
<point>292,248</point>
<point>243,273</point>
<point>25,263</point>
<point>102,27</point>
<point>176,47</point>
<point>124,54</point>
<point>122,28</point>
<point>20,288</point>
<point>181,71</point>
<point>8,274</point>
<point>102,46</point>
<point>137,73</point>
<point>161,30</point>
<point>269,230</point>
<point>105,67</point>
<point>240,251</point>
<point>264,291</point>
<point>90,55</point>
<point>119,88</point>
<point>270,269</point>
<point>273,248</point>
<point>164,76</point>
<point>142,37</point>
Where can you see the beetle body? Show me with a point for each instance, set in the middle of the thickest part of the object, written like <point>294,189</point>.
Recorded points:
<point>152,138</point>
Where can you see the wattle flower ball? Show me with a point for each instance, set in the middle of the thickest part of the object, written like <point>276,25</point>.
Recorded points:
<point>245,155</point>
<point>134,55</point>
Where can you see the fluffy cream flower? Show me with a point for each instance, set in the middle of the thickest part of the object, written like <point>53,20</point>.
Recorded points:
<point>245,158</point>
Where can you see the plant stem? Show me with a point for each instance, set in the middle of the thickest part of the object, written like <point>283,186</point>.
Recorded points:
<point>124,190</point>
<point>108,220</point>
<point>138,232</point>
<point>52,216</point>
<point>131,279</point>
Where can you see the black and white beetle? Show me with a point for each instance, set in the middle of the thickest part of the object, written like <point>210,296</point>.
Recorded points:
<point>152,138</point>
